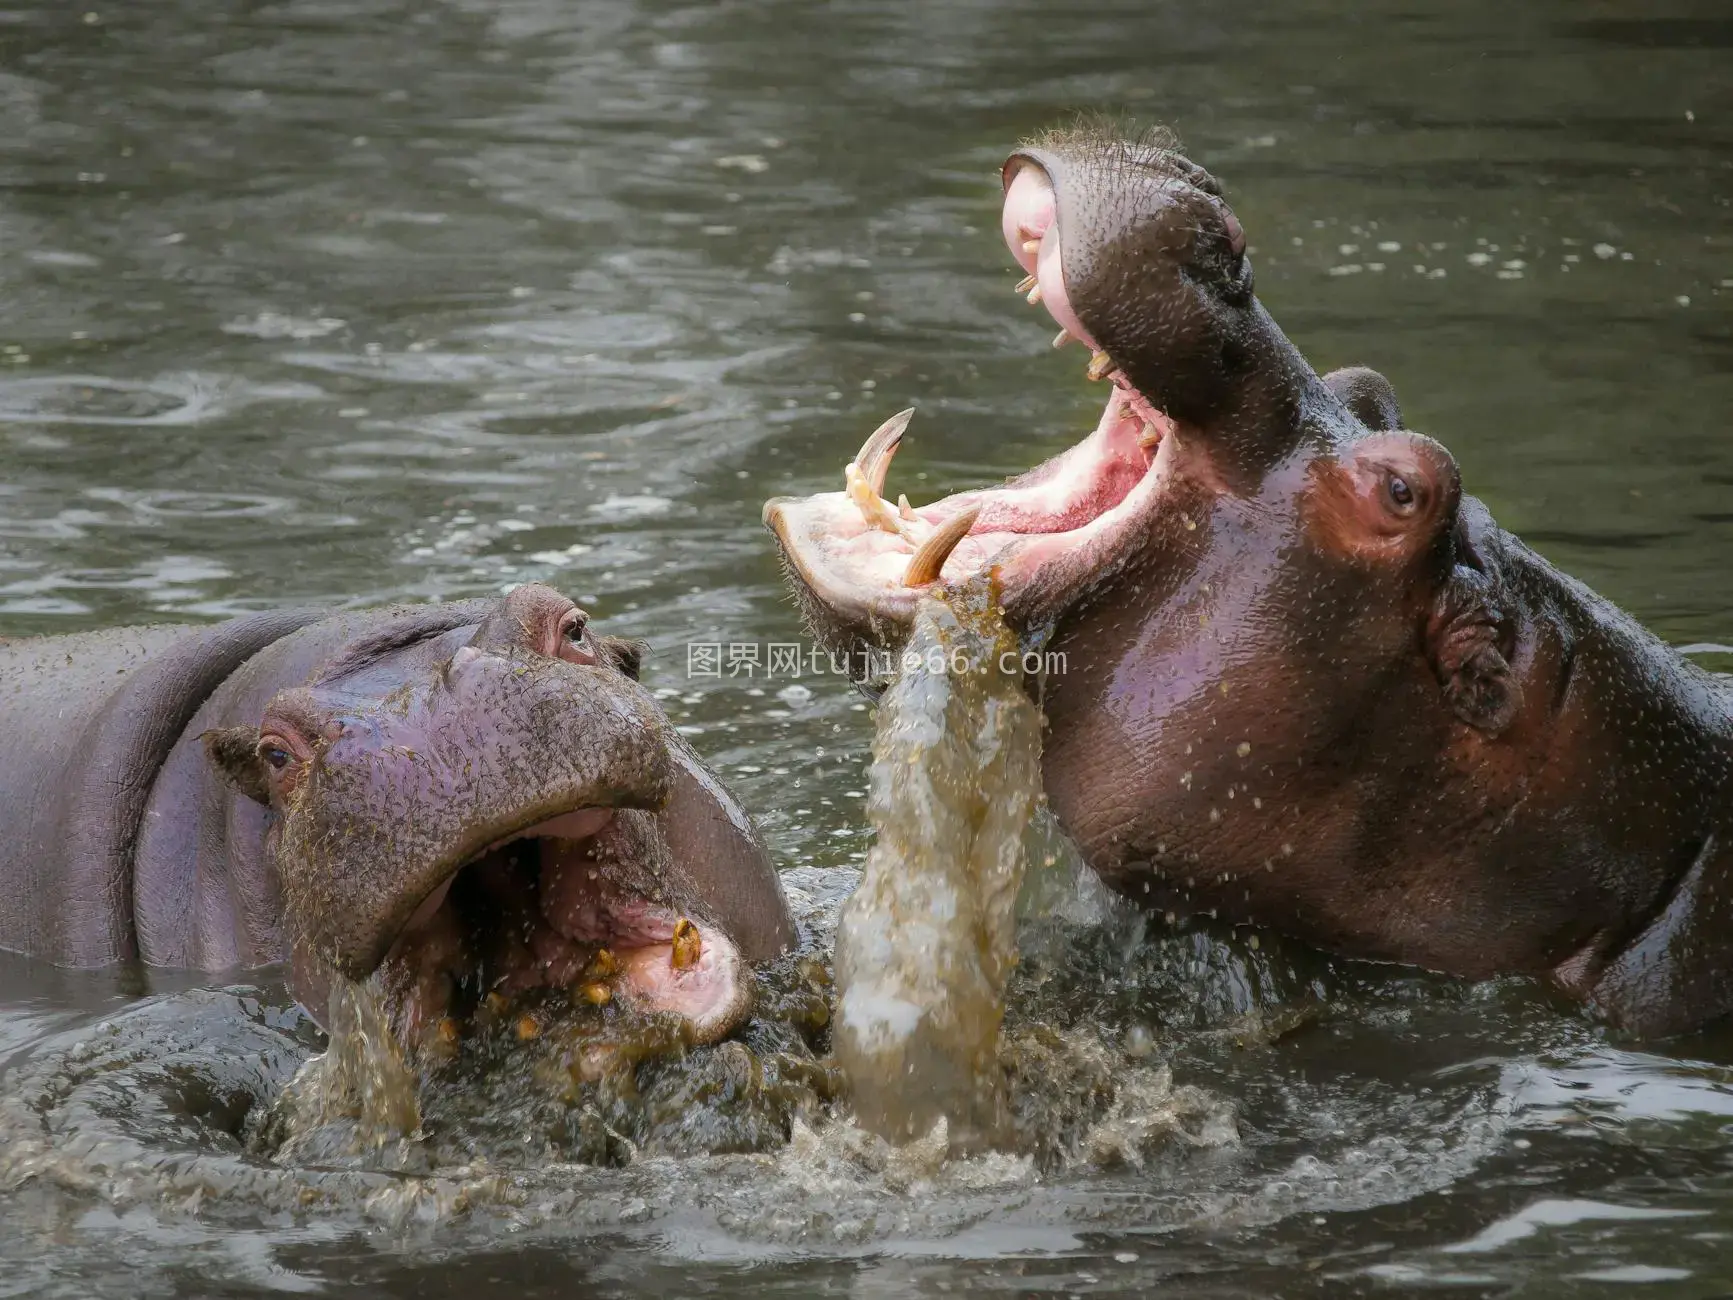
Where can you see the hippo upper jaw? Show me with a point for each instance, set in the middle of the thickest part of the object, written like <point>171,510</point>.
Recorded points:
<point>1131,251</point>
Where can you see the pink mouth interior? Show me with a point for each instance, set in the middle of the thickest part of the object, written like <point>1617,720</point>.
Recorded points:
<point>537,912</point>
<point>1083,499</point>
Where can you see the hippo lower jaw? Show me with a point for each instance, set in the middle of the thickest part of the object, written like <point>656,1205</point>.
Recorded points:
<point>861,564</point>
<point>552,909</point>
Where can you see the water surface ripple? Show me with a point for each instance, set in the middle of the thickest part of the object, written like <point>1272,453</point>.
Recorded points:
<point>347,300</point>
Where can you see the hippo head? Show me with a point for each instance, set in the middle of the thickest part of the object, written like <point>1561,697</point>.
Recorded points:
<point>1239,574</point>
<point>477,809</point>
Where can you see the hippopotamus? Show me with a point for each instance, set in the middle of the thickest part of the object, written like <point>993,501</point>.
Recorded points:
<point>1308,683</point>
<point>471,798</point>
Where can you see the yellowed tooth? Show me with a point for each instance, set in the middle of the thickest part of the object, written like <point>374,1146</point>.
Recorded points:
<point>1061,338</point>
<point>928,562</point>
<point>904,508</point>
<point>1099,364</point>
<point>873,508</point>
<point>684,950</point>
<point>1025,284</point>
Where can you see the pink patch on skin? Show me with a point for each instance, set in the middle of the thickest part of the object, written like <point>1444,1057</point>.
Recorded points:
<point>1028,212</point>
<point>1050,276</point>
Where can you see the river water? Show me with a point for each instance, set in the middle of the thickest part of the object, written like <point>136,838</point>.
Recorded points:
<point>344,300</point>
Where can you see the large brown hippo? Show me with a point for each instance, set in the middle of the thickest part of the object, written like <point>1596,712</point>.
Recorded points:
<point>1310,685</point>
<point>475,795</point>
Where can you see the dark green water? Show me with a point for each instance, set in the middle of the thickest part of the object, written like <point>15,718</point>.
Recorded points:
<point>349,300</point>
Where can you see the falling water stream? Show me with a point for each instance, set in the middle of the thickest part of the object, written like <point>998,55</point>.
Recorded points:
<point>927,942</point>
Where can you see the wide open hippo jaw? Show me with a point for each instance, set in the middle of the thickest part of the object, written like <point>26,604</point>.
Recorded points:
<point>484,813</point>
<point>1130,248</point>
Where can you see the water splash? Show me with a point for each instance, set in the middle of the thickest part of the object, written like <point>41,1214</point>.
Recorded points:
<point>360,1095</point>
<point>926,943</point>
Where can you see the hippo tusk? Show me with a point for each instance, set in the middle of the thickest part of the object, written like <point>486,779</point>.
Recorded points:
<point>874,457</point>
<point>929,561</point>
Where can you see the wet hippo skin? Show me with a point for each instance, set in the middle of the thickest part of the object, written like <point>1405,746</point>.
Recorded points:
<point>463,792</point>
<point>1310,684</point>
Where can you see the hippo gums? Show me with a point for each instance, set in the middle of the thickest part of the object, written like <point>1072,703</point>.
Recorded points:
<point>1310,685</point>
<point>475,797</point>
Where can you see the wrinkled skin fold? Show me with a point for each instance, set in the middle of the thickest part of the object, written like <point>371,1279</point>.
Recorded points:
<point>1310,683</point>
<point>471,799</point>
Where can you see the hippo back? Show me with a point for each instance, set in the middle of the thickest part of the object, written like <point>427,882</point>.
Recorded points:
<point>85,723</point>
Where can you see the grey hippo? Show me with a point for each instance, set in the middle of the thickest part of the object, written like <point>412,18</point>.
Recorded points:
<point>473,797</point>
<point>1311,685</point>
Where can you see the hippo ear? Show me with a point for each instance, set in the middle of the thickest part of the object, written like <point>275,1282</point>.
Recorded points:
<point>1463,638</point>
<point>624,654</point>
<point>1370,396</point>
<point>234,752</point>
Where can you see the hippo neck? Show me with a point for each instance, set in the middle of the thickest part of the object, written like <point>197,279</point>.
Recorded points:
<point>120,700</point>
<point>1666,747</point>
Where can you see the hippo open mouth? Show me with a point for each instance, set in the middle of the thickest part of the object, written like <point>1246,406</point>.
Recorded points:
<point>478,811</point>
<point>566,905</point>
<point>861,563</point>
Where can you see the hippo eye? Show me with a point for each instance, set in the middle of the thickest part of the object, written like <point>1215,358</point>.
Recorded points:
<point>1400,492</point>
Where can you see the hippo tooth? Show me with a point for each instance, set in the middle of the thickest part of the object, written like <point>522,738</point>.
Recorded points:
<point>874,457</point>
<point>1099,364</point>
<point>1025,284</point>
<point>1061,338</point>
<point>873,508</point>
<point>929,561</point>
<point>684,951</point>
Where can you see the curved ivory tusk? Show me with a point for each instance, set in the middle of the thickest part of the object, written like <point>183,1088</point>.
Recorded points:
<point>929,561</point>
